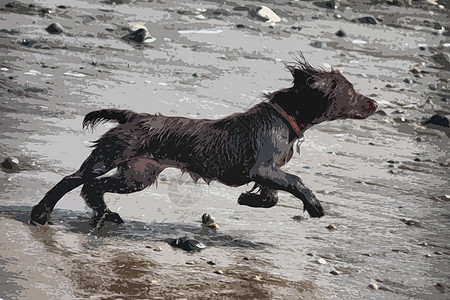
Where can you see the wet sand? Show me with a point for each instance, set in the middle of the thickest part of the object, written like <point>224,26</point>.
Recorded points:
<point>383,182</point>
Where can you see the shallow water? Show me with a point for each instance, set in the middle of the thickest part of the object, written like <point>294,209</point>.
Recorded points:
<point>383,182</point>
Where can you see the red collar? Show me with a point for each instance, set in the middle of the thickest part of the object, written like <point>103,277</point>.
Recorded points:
<point>288,118</point>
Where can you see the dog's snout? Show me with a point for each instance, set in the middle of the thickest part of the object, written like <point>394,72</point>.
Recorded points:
<point>373,105</point>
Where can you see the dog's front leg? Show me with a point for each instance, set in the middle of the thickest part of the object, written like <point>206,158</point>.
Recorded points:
<point>273,178</point>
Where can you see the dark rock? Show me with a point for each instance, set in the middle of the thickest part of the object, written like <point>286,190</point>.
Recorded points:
<point>381,112</point>
<point>410,222</point>
<point>327,4</point>
<point>211,262</point>
<point>365,20</point>
<point>54,29</point>
<point>137,36</point>
<point>62,6</point>
<point>28,43</point>
<point>207,219</point>
<point>406,80</point>
<point>421,48</point>
<point>341,33</point>
<point>437,120</point>
<point>10,163</point>
<point>296,28</point>
<point>187,244</point>
<point>240,26</point>
<point>298,218</point>
<point>195,75</point>
<point>437,26</point>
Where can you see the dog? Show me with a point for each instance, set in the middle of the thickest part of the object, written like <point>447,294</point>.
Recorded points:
<point>238,149</point>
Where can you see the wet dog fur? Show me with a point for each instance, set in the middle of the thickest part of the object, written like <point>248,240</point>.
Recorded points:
<point>241,148</point>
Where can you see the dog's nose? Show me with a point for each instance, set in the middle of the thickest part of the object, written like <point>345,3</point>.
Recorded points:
<point>373,105</point>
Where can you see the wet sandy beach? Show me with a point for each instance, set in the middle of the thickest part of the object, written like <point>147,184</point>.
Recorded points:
<point>383,181</point>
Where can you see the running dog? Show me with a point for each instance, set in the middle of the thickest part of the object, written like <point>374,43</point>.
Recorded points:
<point>245,147</point>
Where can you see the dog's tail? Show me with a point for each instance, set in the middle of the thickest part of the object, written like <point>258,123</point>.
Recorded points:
<point>105,115</point>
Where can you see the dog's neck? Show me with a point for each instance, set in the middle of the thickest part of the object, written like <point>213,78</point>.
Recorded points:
<point>301,111</point>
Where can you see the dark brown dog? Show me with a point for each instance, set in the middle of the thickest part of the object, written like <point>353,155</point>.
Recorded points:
<point>235,150</point>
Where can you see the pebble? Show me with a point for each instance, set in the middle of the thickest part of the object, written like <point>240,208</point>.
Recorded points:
<point>245,258</point>
<point>321,261</point>
<point>54,29</point>
<point>373,286</point>
<point>138,36</point>
<point>10,163</point>
<point>187,244</point>
<point>438,120</point>
<point>268,15</point>
<point>211,262</point>
<point>317,44</point>
<point>191,262</point>
<point>407,80</point>
<point>331,227</point>
<point>157,249</point>
<point>365,20</point>
<point>428,255</point>
<point>257,278</point>
<point>327,4</point>
<point>220,272</point>
<point>335,272</point>
<point>437,253</point>
<point>240,26</point>
<point>341,33</point>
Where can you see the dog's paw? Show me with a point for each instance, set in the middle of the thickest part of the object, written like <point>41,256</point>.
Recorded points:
<point>39,215</point>
<point>314,210</point>
<point>255,200</point>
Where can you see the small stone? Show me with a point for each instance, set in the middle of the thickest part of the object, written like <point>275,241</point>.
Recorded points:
<point>331,227</point>
<point>437,253</point>
<point>10,163</point>
<point>321,261</point>
<point>341,33</point>
<point>245,258</point>
<point>423,244</point>
<point>365,20</point>
<point>257,278</point>
<point>310,254</point>
<point>268,15</point>
<point>148,247</point>
<point>367,254</point>
<point>157,249</point>
<point>335,272</point>
<point>318,44</point>
<point>211,262</point>
<point>220,272</point>
<point>54,29</point>
<point>200,17</point>
<point>240,26</point>
<point>207,218</point>
<point>428,255</point>
<point>373,286</point>
<point>187,244</point>
<point>296,28</point>
<point>415,70</point>
<point>138,36</point>
<point>406,80</point>
<point>337,16</point>
<point>191,262</point>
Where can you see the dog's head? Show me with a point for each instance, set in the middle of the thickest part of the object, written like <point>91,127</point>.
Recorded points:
<point>326,96</point>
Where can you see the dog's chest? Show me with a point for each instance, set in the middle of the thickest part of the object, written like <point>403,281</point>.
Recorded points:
<point>274,145</point>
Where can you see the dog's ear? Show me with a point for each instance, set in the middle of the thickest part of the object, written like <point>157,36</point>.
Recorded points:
<point>300,76</point>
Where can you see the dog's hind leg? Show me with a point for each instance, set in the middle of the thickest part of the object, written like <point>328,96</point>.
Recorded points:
<point>95,165</point>
<point>132,176</point>
<point>264,198</point>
